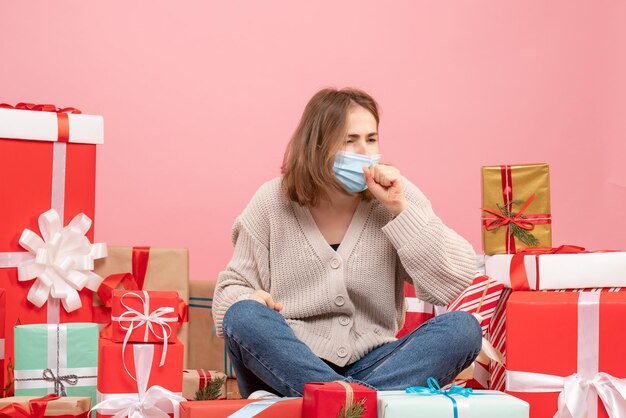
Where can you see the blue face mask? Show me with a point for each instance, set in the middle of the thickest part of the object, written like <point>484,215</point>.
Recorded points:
<point>348,169</point>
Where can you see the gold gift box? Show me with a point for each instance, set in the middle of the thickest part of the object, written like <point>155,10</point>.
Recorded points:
<point>519,182</point>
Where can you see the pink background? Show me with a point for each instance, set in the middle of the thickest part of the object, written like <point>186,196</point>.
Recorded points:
<point>200,98</point>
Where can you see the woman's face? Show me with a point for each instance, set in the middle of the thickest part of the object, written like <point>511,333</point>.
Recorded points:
<point>362,133</point>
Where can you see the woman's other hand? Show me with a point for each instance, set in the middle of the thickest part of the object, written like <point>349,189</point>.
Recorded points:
<point>266,299</point>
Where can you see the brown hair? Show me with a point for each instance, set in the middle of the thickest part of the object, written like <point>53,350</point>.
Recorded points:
<point>308,162</point>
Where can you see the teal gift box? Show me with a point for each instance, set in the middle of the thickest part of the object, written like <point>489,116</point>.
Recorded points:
<point>56,358</point>
<point>480,403</point>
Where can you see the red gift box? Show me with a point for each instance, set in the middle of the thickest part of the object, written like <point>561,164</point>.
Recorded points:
<point>326,400</point>
<point>565,343</point>
<point>43,165</point>
<point>146,316</point>
<point>274,408</point>
<point>134,373</point>
<point>417,311</point>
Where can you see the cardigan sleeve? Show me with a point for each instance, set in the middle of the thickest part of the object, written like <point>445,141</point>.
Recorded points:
<point>438,261</point>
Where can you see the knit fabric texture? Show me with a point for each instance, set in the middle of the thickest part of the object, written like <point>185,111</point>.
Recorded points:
<point>344,303</point>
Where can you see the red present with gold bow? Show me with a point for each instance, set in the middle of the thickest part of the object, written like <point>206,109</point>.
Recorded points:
<point>337,399</point>
<point>47,167</point>
<point>148,316</point>
<point>46,406</point>
<point>516,208</point>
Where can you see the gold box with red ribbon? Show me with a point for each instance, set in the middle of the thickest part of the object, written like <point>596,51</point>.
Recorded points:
<point>516,208</point>
<point>565,352</point>
<point>148,316</point>
<point>47,167</point>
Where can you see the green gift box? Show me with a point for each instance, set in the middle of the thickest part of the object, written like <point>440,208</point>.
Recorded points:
<point>480,403</point>
<point>56,358</point>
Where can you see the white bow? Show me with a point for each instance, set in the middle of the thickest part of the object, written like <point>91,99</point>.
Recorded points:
<point>155,402</point>
<point>61,262</point>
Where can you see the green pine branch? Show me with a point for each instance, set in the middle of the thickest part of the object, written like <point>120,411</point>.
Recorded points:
<point>356,410</point>
<point>522,234</point>
<point>211,390</point>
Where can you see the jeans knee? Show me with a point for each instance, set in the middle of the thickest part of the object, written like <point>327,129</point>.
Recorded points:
<point>242,316</point>
<point>465,331</point>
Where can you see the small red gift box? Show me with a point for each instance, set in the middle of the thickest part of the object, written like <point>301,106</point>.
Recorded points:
<point>146,316</point>
<point>326,400</point>
<point>268,408</point>
<point>129,374</point>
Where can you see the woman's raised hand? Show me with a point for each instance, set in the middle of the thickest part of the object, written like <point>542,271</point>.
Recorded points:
<point>385,183</point>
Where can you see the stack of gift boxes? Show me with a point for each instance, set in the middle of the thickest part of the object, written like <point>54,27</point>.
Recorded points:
<point>84,326</point>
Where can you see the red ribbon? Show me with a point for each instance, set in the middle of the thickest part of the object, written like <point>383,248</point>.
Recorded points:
<point>102,314</point>
<point>519,279</point>
<point>205,377</point>
<point>36,409</point>
<point>523,221</point>
<point>63,121</point>
<point>141,255</point>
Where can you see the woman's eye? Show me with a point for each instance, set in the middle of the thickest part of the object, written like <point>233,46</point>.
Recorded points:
<point>373,140</point>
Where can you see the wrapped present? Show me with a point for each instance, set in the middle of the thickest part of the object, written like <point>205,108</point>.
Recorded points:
<point>153,269</point>
<point>206,349</point>
<point>146,316</point>
<point>338,399</point>
<point>417,311</point>
<point>232,389</point>
<point>565,353</point>
<point>267,408</point>
<point>60,359</point>
<point>46,406</point>
<point>564,267</point>
<point>456,402</point>
<point>47,162</point>
<point>134,377</point>
<point>516,208</point>
<point>203,384</point>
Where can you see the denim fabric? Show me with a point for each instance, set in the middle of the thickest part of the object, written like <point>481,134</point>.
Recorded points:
<point>266,354</point>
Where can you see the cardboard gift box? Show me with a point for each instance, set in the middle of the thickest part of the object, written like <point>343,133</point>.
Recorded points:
<point>148,316</point>
<point>60,359</point>
<point>47,162</point>
<point>565,348</point>
<point>329,399</point>
<point>134,374</point>
<point>565,267</point>
<point>206,349</point>
<point>516,208</point>
<point>268,408</point>
<point>153,268</point>
<point>197,380</point>
<point>479,403</point>
<point>46,406</point>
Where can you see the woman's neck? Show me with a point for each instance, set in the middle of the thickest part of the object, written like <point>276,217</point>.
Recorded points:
<point>339,202</point>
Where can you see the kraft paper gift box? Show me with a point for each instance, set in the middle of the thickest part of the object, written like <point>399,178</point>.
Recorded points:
<point>232,389</point>
<point>153,269</point>
<point>329,399</point>
<point>565,267</point>
<point>133,374</point>
<point>243,408</point>
<point>194,380</point>
<point>206,349</point>
<point>165,312</point>
<point>564,347</point>
<point>60,359</point>
<point>516,208</point>
<point>481,403</point>
<point>47,161</point>
<point>47,406</point>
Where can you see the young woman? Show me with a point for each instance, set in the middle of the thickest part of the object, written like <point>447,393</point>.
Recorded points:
<point>314,290</point>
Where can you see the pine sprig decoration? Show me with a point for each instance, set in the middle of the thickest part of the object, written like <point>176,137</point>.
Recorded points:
<point>520,233</point>
<point>211,390</point>
<point>356,410</point>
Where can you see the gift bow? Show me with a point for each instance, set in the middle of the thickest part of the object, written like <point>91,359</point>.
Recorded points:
<point>154,402</point>
<point>61,260</point>
<point>36,408</point>
<point>138,319</point>
<point>433,389</point>
<point>519,219</point>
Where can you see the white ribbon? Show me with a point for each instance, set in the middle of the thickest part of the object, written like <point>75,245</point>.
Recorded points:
<point>60,261</point>
<point>155,402</point>
<point>578,397</point>
<point>138,319</point>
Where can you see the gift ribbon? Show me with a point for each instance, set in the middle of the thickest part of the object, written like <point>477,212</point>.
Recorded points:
<point>578,397</point>
<point>349,393</point>
<point>57,373</point>
<point>203,378</point>
<point>140,258</point>
<point>63,134</point>
<point>60,261</point>
<point>255,408</point>
<point>150,320</point>
<point>36,409</point>
<point>154,402</point>
<point>524,221</point>
<point>460,407</point>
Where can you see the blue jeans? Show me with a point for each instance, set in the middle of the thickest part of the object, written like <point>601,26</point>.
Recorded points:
<point>266,354</point>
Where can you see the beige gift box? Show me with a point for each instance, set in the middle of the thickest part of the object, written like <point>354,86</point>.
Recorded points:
<point>194,379</point>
